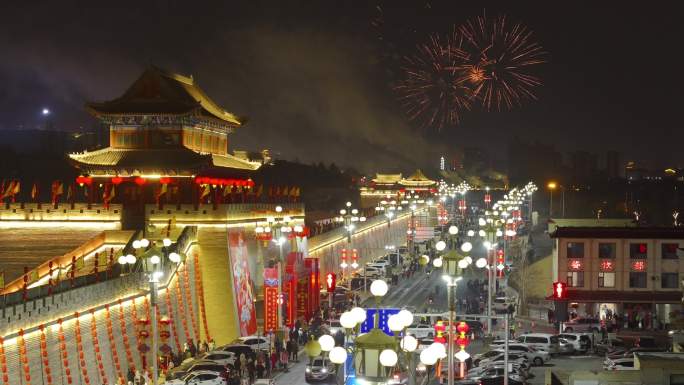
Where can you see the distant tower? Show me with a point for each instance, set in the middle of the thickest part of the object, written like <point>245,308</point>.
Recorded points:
<point>441,163</point>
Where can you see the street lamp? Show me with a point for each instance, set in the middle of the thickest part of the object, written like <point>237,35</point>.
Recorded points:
<point>153,267</point>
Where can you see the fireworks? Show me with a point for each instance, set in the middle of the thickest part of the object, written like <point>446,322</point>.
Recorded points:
<point>500,57</point>
<point>433,90</point>
<point>485,61</point>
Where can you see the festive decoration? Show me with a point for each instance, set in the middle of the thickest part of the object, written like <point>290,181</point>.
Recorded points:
<point>112,343</point>
<point>575,265</point>
<point>124,335</point>
<point>23,359</point>
<point>44,356</point>
<point>136,322</point>
<point>181,307</point>
<point>79,349</point>
<point>3,363</point>
<point>639,265</point>
<point>188,299</point>
<point>169,314</point>
<point>63,352</point>
<point>607,266</point>
<point>96,348</point>
<point>200,289</point>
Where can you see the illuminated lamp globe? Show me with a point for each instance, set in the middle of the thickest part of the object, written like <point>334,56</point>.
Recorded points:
<point>471,233</point>
<point>166,242</point>
<point>487,245</point>
<point>499,233</point>
<point>437,262</point>
<point>327,342</point>
<point>480,263</point>
<point>174,257</point>
<point>428,357</point>
<point>462,355</point>
<point>312,348</point>
<point>468,259</point>
<point>298,228</point>
<point>441,245</point>
<point>136,244</point>
<point>279,209</point>
<point>122,260</point>
<point>155,259</point>
<point>481,233</point>
<point>394,323</point>
<point>439,349</point>
<point>144,242</point>
<point>462,264</point>
<point>130,259</point>
<point>379,288</point>
<point>453,230</point>
<point>259,229</point>
<point>424,260</point>
<point>406,317</point>
<point>388,358</point>
<point>466,247</point>
<point>481,221</point>
<point>348,320</point>
<point>359,314</point>
<point>338,355</point>
<point>409,343</point>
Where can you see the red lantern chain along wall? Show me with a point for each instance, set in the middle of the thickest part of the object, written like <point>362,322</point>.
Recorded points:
<point>112,343</point>
<point>63,352</point>
<point>188,300</point>
<point>200,294</point>
<point>44,356</point>
<point>169,314</point>
<point>3,363</point>
<point>124,336</point>
<point>146,334</point>
<point>139,334</point>
<point>164,335</point>
<point>96,348</point>
<point>79,349</point>
<point>23,358</point>
<point>181,307</point>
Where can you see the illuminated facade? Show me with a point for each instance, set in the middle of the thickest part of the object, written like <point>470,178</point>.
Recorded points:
<point>395,186</point>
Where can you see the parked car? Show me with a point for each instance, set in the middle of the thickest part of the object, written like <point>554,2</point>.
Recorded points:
<point>610,345</point>
<point>582,324</point>
<point>537,357</point>
<point>565,346</point>
<point>320,369</point>
<point>581,342</point>
<point>620,364</point>
<point>498,371</point>
<point>498,380</point>
<point>256,343</point>
<point>423,344</point>
<point>513,358</point>
<point>238,349</point>
<point>334,327</point>
<point>541,341</point>
<point>201,377</point>
<point>630,352</point>
<point>184,368</point>
<point>222,357</point>
<point>421,330</point>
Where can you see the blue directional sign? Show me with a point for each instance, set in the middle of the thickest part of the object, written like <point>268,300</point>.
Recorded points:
<point>367,325</point>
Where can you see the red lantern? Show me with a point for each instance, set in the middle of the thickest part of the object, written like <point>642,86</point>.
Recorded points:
<point>462,327</point>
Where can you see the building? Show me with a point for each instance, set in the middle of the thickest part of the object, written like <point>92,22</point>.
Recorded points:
<point>614,165</point>
<point>583,164</point>
<point>385,186</point>
<point>623,270</point>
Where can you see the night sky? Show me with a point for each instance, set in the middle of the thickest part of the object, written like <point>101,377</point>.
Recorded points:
<point>315,80</point>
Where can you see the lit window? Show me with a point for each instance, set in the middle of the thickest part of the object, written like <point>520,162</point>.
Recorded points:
<point>575,279</point>
<point>638,250</point>
<point>606,279</point>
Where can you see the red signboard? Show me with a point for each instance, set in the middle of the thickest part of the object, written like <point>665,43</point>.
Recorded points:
<point>575,265</point>
<point>330,282</point>
<point>313,297</point>
<point>607,266</point>
<point>559,291</point>
<point>639,265</point>
<point>270,309</point>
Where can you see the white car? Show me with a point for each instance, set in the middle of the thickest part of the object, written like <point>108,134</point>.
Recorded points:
<point>371,272</point>
<point>537,357</point>
<point>421,330</point>
<point>255,342</point>
<point>513,358</point>
<point>201,377</point>
<point>220,357</point>
<point>334,326</point>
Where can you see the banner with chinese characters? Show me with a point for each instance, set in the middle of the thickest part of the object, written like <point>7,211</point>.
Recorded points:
<point>270,299</point>
<point>243,286</point>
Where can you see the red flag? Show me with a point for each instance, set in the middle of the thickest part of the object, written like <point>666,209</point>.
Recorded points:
<point>57,190</point>
<point>34,191</point>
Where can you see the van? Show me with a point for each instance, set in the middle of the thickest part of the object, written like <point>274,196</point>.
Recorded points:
<point>542,341</point>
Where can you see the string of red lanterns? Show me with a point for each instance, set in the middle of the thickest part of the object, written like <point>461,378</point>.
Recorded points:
<point>200,287</point>
<point>3,363</point>
<point>124,335</point>
<point>79,348</point>
<point>136,335</point>
<point>188,300</point>
<point>23,358</point>
<point>112,343</point>
<point>63,352</point>
<point>169,315</point>
<point>224,181</point>
<point>96,347</point>
<point>44,356</point>
<point>181,307</point>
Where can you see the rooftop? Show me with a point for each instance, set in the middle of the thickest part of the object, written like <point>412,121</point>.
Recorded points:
<point>619,232</point>
<point>158,92</point>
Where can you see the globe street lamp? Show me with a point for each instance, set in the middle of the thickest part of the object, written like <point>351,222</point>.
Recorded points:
<point>349,216</point>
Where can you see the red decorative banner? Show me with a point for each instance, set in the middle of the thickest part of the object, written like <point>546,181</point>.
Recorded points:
<point>575,265</point>
<point>181,307</point>
<point>242,282</point>
<point>200,293</point>
<point>23,358</point>
<point>134,314</point>
<point>169,315</point>
<point>3,363</point>
<point>188,298</point>
<point>112,343</point>
<point>270,309</point>
<point>96,347</point>
<point>44,356</point>
<point>639,265</point>
<point>607,265</point>
<point>79,348</point>
<point>63,352</point>
<point>124,335</point>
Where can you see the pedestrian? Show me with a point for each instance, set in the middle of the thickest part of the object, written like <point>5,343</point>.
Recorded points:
<point>212,345</point>
<point>295,350</point>
<point>283,360</point>
<point>192,348</point>
<point>243,364</point>
<point>205,346</point>
<point>251,370</point>
<point>260,369</point>
<point>130,376</point>
<point>274,360</point>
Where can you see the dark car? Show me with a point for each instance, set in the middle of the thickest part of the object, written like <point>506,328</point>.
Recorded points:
<point>182,369</point>
<point>475,327</point>
<point>499,380</point>
<point>238,349</point>
<point>201,365</point>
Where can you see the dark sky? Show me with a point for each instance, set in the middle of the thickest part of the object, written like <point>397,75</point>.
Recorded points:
<point>314,79</point>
